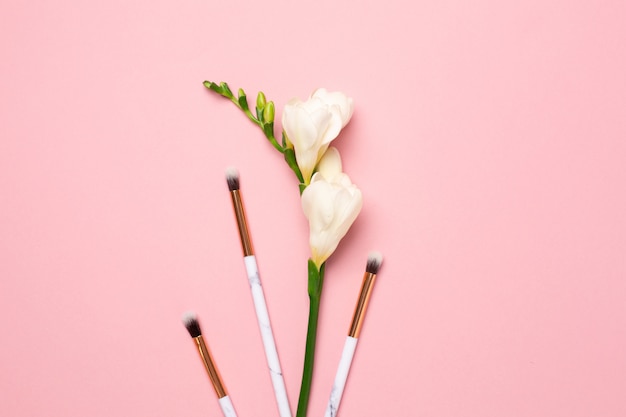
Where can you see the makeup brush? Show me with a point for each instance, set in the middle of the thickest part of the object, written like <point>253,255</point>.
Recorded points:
<point>374,260</point>
<point>191,323</point>
<point>254,279</point>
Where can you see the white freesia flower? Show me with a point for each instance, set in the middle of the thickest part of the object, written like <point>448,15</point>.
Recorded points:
<point>338,101</point>
<point>331,203</point>
<point>311,125</point>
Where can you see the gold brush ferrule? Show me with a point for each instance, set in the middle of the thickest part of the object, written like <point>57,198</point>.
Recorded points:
<point>361,305</point>
<point>242,224</point>
<point>211,369</point>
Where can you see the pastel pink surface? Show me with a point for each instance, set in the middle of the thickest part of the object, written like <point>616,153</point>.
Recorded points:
<point>488,140</point>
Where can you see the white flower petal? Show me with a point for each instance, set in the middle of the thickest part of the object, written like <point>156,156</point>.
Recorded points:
<point>302,129</point>
<point>330,164</point>
<point>331,129</point>
<point>299,127</point>
<point>317,207</point>
<point>338,102</point>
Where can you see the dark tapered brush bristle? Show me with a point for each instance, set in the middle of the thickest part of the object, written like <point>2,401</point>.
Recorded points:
<point>191,323</point>
<point>232,178</point>
<point>374,260</point>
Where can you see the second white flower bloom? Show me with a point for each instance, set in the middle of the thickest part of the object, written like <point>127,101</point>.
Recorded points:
<point>331,203</point>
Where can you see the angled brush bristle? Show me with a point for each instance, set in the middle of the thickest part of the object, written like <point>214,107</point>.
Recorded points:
<point>374,260</point>
<point>191,323</point>
<point>232,178</point>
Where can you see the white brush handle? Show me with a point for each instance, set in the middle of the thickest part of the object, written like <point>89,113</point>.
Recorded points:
<point>342,375</point>
<point>227,407</point>
<point>268,337</point>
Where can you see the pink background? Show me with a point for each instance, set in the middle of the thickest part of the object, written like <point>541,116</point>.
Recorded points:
<point>489,140</point>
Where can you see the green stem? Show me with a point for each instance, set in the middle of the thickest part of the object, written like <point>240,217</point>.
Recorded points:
<point>266,126</point>
<point>268,131</point>
<point>316,280</point>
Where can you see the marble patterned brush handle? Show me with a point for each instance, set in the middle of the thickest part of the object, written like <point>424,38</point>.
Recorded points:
<point>340,378</point>
<point>267,336</point>
<point>227,407</point>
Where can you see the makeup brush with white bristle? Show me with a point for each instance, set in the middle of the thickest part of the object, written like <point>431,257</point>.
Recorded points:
<point>191,323</point>
<point>260,306</point>
<point>374,260</point>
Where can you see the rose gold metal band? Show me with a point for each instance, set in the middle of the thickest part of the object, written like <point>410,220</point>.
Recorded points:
<point>361,305</point>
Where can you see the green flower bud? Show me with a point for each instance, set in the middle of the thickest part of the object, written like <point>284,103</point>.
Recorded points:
<point>226,90</point>
<point>268,112</point>
<point>212,86</point>
<point>260,100</point>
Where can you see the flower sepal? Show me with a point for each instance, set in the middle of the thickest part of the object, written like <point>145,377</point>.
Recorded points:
<point>316,277</point>
<point>243,100</point>
<point>290,158</point>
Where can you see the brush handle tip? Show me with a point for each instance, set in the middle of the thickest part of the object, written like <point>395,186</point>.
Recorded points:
<point>227,407</point>
<point>341,376</point>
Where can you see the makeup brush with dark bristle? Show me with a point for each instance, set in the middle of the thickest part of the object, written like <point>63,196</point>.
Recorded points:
<point>260,306</point>
<point>374,261</point>
<point>232,178</point>
<point>191,323</point>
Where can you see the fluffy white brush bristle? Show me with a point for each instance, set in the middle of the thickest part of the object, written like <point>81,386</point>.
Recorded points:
<point>374,260</point>
<point>190,320</point>
<point>232,178</point>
